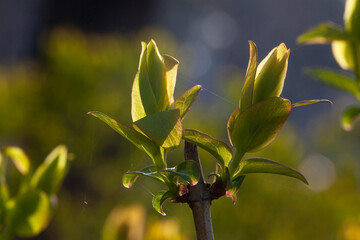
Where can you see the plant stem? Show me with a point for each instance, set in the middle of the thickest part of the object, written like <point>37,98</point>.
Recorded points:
<point>199,198</point>
<point>355,51</point>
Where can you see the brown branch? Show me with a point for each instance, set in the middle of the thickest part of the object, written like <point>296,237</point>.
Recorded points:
<point>199,197</point>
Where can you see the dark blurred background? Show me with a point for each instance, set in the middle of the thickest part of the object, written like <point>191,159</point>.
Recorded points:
<point>61,59</point>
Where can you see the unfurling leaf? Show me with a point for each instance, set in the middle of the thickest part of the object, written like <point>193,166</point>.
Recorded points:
<point>334,79</point>
<point>28,214</point>
<point>262,165</point>
<point>188,170</point>
<point>248,88</point>
<point>154,83</point>
<point>156,75</point>
<point>50,174</point>
<point>164,128</point>
<point>130,177</point>
<point>309,102</point>
<point>258,125</point>
<point>350,115</point>
<point>185,101</point>
<point>159,199</point>
<point>155,152</point>
<point>218,149</point>
<point>19,158</point>
<point>137,107</point>
<point>271,73</point>
<point>171,67</point>
<point>143,100</point>
<point>323,33</point>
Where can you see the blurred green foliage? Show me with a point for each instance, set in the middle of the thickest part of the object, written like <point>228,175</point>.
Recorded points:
<point>44,103</point>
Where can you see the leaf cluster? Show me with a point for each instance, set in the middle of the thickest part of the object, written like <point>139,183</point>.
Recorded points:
<point>345,44</point>
<point>28,211</point>
<point>157,124</point>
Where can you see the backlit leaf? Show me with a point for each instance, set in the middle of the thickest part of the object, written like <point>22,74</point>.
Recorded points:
<point>164,128</point>
<point>343,54</point>
<point>334,79</point>
<point>351,18</point>
<point>28,214</point>
<point>137,108</point>
<point>159,199</point>
<point>143,96</point>
<point>248,88</point>
<point>350,115</point>
<point>220,150</point>
<point>258,125</point>
<point>185,101</point>
<point>157,75</point>
<point>271,73</point>
<point>131,176</point>
<point>19,158</point>
<point>50,174</point>
<point>171,67</point>
<point>323,33</point>
<point>309,102</point>
<point>155,152</point>
<point>262,165</point>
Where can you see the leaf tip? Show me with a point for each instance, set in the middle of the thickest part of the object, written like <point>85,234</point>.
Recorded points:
<point>92,113</point>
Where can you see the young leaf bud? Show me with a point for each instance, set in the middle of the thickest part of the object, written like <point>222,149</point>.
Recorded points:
<point>271,73</point>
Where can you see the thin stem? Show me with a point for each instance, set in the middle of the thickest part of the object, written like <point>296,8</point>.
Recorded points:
<point>199,198</point>
<point>3,163</point>
<point>355,53</point>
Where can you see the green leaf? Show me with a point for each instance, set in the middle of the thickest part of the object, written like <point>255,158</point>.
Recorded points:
<point>350,115</point>
<point>159,199</point>
<point>334,79</point>
<point>155,152</point>
<point>137,107</point>
<point>157,75</point>
<point>143,100</point>
<point>323,33</point>
<point>271,73</point>
<point>28,214</point>
<point>248,88</point>
<point>164,128</point>
<point>351,18</point>
<point>233,188</point>
<point>344,54</point>
<point>171,67</point>
<point>262,165</point>
<point>131,176</point>
<point>188,170</point>
<point>309,102</point>
<point>50,174</point>
<point>258,125</point>
<point>185,101</point>
<point>19,158</point>
<point>220,150</point>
